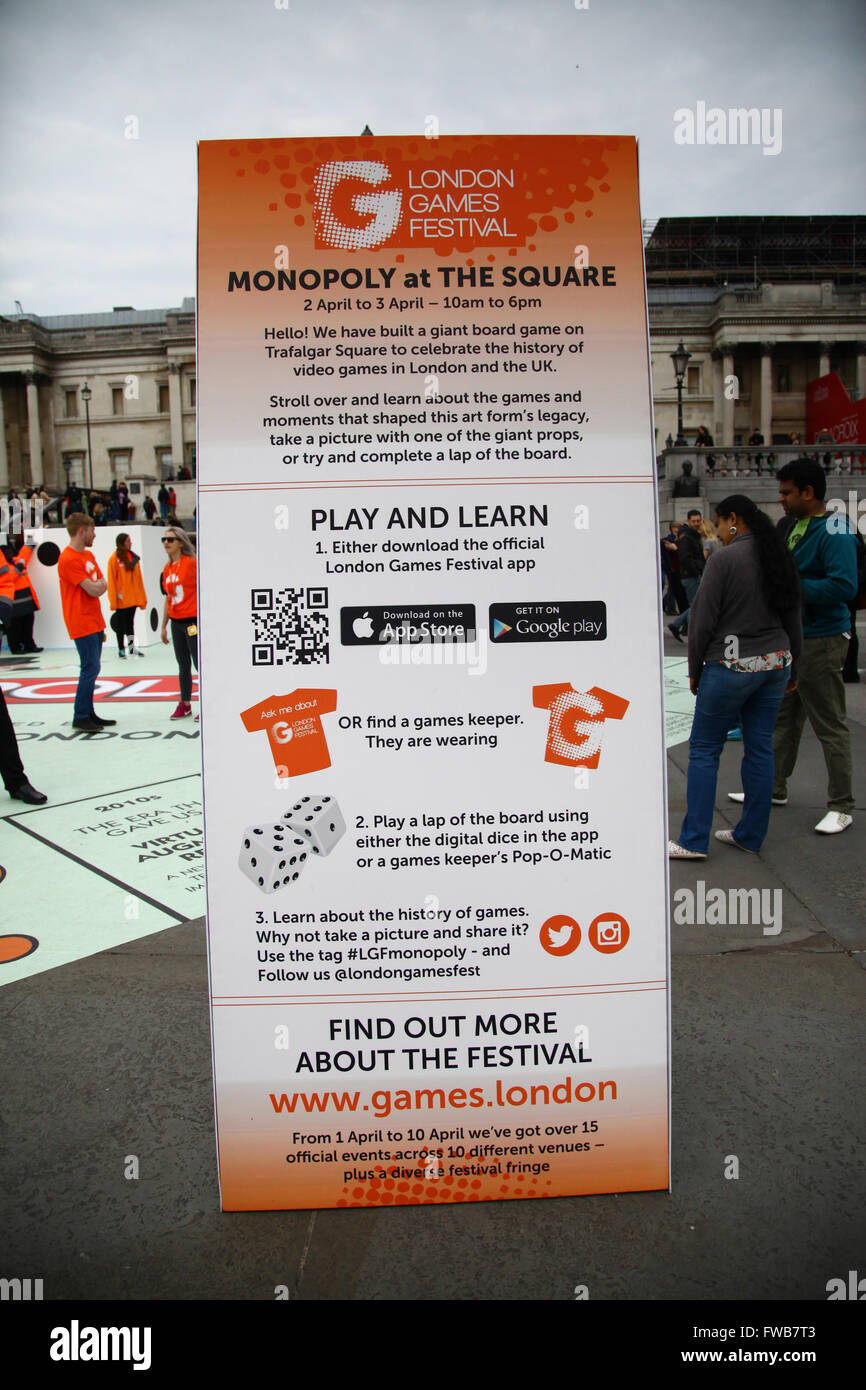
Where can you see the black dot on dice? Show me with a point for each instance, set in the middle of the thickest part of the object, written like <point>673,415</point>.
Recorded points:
<point>315,849</point>
<point>282,864</point>
<point>325,800</point>
<point>277,884</point>
<point>288,878</point>
<point>294,876</point>
<point>246,844</point>
<point>332,826</point>
<point>253,863</point>
<point>257,832</point>
<point>261,883</point>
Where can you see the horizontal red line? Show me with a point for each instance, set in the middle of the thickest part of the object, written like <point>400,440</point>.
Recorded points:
<point>428,482</point>
<point>255,1000</point>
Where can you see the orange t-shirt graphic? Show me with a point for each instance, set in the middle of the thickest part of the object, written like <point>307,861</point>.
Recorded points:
<point>576,722</point>
<point>294,728</point>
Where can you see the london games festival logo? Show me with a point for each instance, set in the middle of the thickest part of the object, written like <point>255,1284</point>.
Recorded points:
<point>477,206</point>
<point>332,197</point>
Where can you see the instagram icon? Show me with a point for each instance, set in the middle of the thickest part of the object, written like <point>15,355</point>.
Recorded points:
<point>609,932</point>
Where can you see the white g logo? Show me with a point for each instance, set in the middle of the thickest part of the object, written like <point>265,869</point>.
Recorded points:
<point>386,206</point>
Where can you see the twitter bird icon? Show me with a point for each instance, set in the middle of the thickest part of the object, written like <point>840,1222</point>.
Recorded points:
<point>559,936</point>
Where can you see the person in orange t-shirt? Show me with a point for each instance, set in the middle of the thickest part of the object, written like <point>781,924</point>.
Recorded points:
<point>179,586</point>
<point>25,603</point>
<point>125,593</point>
<point>81,587</point>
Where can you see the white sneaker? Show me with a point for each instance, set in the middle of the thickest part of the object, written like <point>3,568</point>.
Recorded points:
<point>834,822</point>
<point>676,851</point>
<point>740,797</point>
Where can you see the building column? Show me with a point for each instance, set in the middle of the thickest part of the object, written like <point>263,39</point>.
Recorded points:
<point>4,460</point>
<point>33,430</point>
<point>728,403</point>
<point>718,393</point>
<point>49,477</point>
<point>823,358</point>
<point>861,371</point>
<point>767,391</point>
<point>175,406</point>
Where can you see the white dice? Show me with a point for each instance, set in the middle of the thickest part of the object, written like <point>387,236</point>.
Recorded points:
<point>319,820</point>
<point>272,855</point>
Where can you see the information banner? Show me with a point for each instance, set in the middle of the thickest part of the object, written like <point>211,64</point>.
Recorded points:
<point>435,816</point>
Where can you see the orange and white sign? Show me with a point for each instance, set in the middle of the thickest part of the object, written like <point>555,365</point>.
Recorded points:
<point>437,896</point>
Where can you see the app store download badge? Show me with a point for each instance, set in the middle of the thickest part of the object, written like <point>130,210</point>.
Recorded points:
<point>548,622</point>
<point>407,624</point>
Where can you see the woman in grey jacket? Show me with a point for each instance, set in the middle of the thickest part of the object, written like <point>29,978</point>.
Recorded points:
<point>745,640</point>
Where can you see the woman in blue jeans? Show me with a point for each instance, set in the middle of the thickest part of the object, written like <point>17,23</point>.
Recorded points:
<point>745,640</point>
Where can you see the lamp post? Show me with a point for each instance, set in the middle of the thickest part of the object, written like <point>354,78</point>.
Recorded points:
<point>86,395</point>
<point>680,359</point>
<point>67,465</point>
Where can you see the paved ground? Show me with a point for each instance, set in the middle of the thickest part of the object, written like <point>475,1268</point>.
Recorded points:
<point>110,1059</point>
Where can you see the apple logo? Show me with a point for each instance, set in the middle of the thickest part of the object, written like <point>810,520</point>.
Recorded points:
<point>363,627</point>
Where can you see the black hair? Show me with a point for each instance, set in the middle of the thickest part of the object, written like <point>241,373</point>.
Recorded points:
<point>778,570</point>
<point>693,511</point>
<point>804,473</point>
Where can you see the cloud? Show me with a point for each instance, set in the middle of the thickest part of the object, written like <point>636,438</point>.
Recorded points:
<point>90,216</point>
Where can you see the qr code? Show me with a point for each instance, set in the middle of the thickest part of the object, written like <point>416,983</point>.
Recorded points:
<point>290,627</point>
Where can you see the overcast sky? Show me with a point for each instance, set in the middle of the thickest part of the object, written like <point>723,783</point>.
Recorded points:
<point>90,219</point>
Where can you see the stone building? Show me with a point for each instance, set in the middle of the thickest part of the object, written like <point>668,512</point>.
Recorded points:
<point>139,366</point>
<point>763,305</point>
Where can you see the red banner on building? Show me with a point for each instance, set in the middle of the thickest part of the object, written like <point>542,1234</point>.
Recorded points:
<point>830,410</point>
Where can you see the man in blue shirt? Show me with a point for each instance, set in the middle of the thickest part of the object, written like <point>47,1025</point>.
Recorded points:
<point>824,550</point>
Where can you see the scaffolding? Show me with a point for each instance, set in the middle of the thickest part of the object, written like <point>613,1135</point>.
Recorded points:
<point>748,250</point>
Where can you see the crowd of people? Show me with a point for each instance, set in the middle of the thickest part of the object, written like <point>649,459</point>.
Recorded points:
<point>82,586</point>
<point>105,508</point>
<point>115,505</point>
<point>768,611</point>
<point>770,616</point>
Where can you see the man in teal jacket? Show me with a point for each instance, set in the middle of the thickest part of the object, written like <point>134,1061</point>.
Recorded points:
<point>824,550</point>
